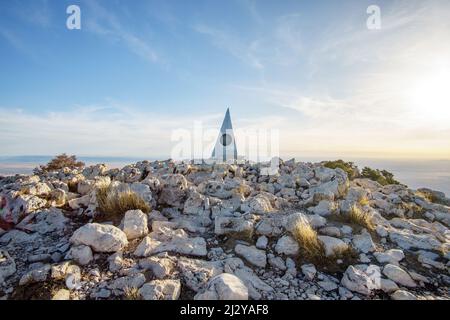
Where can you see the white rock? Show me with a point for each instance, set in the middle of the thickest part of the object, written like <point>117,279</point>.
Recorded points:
<point>35,275</point>
<point>360,280</point>
<point>309,270</point>
<point>262,242</point>
<point>231,225</point>
<point>135,224</point>
<point>277,262</point>
<point>224,287</point>
<point>160,267</point>
<point>58,271</point>
<point>253,255</point>
<point>48,221</point>
<point>333,189</point>
<point>331,231</point>
<point>128,282</point>
<point>382,231</point>
<point>398,275</point>
<point>255,285</point>
<point>406,239</point>
<point>260,204</point>
<point>327,285</point>
<point>7,266</point>
<point>364,258</point>
<point>269,227</point>
<point>403,295</point>
<point>161,290</point>
<point>418,277</point>
<point>363,242</point>
<point>324,208</point>
<point>287,245</point>
<point>392,256</point>
<point>332,245</point>
<point>100,237</point>
<point>61,294</point>
<point>168,240</point>
<point>347,230</point>
<point>314,220</point>
<point>142,190</point>
<point>81,254</point>
<point>73,277</point>
<point>388,286</point>
<point>115,262</point>
<point>196,273</point>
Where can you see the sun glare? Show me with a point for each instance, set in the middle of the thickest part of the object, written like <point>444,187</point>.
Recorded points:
<point>430,97</point>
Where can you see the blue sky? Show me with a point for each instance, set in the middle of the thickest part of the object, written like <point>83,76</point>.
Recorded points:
<point>138,70</point>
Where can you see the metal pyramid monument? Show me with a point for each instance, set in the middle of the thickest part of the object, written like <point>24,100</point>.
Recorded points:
<point>225,148</point>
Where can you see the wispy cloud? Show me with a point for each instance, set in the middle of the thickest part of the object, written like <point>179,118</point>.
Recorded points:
<point>224,40</point>
<point>37,13</point>
<point>91,130</point>
<point>105,23</point>
<point>279,45</point>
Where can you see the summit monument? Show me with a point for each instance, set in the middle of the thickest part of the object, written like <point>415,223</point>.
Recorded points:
<point>225,149</point>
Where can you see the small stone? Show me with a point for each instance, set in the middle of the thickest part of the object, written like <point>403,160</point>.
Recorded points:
<point>332,245</point>
<point>35,275</point>
<point>252,255</point>
<point>161,290</point>
<point>393,256</point>
<point>81,254</point>
<point>388,286</point>
<point>135,224</point>
<point>287,245</point>
<point>327,285</point>
<point>403,295</point>
<point>309,270</point>
<point>73,277</point>
<point>262,242</point>
<point>363,242</point>
<point>224,287</point>
<point>277,262</point>
<point>61,294</point>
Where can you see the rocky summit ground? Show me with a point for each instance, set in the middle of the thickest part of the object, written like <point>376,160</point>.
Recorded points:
<point>219,232</point>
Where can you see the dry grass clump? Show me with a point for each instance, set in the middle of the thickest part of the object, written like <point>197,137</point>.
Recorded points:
<point>313,251</point>
<point>308,241</point>
<point>364,201</point>
<point>114,202</point>
<point>131,293</point>
<point>359,217</point>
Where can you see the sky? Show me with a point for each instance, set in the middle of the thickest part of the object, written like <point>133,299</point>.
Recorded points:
<point>138,72</point>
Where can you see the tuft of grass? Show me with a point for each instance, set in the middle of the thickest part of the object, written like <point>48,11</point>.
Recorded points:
<point>308,241</point>
<point>359,217</point>
<point>131,293</point>
<point>313,251</point>
<point>114,203</point>
<point>364,201</point>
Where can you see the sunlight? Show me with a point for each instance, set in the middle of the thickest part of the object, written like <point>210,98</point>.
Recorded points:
<point>430,97</point>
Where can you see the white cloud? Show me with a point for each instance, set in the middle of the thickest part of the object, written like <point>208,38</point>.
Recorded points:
<point>111,130</point>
